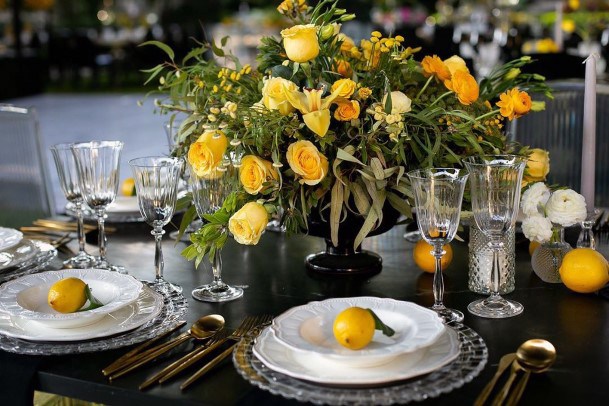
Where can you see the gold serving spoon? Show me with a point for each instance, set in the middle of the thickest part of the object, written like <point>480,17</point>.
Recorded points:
<point>534,356</point>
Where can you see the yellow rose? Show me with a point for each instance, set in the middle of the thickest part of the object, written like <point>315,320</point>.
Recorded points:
<point>300,42</point>
<point>433,65</point>
<point>514,103</point>
<point>455,63</point>
<point>364,93</point>
<point>248,223</point>
<point>538,165</point>
<point>254,171</point>
<point>307,162</point>
<point>344,87</point>
<point>273,95</point>
<point>347,110</point>
<point>400,103</point>
<point>205,154</point>
<point>465,86</point>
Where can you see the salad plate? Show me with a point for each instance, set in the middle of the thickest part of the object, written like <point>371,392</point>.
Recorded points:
<point>18,254</point>
<point>9,237</point>
<point>26,297</point>
<point>309,328</point>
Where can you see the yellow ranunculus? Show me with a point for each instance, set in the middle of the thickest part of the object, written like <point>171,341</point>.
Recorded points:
<point>465,86</point>
<point>455,63</point>
<point>433,65</point>
<point>345,87</point>
<point>287,6</point>
<point>514,103</point>
<point>347,110</point>
<point>248,223</point>
<point>400,103</point>
<point>346,44</point>
<point>300,42</point>
<point>307,162</point>
<point>273,95</point>
<point>205,154</point>
<point>254,171</point>
<point>538,165</point>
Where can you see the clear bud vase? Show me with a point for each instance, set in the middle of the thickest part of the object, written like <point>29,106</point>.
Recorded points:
<point>547,258</point>
<point>481,262</point>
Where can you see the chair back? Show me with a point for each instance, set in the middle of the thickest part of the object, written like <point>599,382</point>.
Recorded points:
<point>25,190</point>
<point>559,129</point>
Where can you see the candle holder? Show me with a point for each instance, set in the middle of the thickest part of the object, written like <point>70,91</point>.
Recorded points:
<point>586,235</point>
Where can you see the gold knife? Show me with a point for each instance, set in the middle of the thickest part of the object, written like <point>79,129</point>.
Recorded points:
<point>504,363</point>
<point>207,367</point>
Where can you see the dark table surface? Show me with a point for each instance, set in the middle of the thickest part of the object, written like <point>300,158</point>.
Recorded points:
<point>276,280</point>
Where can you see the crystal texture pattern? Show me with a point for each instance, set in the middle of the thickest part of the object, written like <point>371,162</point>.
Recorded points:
<point>481,262</point>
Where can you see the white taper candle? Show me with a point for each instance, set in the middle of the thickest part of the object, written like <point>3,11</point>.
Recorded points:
<point>589,137</point>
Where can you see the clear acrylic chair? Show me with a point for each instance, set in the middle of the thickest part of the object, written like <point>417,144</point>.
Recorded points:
<point>25,189</point>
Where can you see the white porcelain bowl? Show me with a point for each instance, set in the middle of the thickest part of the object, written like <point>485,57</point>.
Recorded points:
<point>26,297</point>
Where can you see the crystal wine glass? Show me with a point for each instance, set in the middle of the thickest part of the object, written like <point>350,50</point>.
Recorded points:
<point>156,185</point>
<point>438,194</point>
<point>68,179</point>
<point>208,194</point>
<point>98,165</point>
<point>495,190</point>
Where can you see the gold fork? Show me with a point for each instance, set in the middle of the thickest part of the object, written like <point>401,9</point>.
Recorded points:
<point>236,336</point>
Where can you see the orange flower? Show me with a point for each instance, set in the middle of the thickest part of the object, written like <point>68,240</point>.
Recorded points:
<point>465,86</point>
<point>433,65</point>
<point>347,110</point>
<point>514,103</point>
<point>343,68</point>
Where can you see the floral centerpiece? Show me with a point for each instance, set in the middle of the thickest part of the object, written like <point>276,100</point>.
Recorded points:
<point>328,128</point>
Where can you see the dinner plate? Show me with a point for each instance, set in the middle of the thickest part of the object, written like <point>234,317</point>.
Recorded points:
<point>309,328</point>
<point>317,368</point>
<point>147,306</point>
<point>18,254</point>
<point>124,205</point>
<point>45,253</point>
<point>26,297</point>
<point>9,237</point>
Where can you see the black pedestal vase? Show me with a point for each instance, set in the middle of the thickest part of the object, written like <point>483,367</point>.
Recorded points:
<point>344,259</point>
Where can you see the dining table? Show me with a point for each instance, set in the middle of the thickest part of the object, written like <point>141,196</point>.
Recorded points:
<point>275,279</point>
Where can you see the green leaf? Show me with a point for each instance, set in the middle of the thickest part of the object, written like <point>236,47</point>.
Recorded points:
<point>164,47</point>
<point>335,210</point>
<point>346,156</point>
<point>94,303</point>
<point>379,325</point>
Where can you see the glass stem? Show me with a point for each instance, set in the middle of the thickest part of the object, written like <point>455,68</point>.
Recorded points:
<point>495,272</point>
<point>159,264</point>
<point>438,280</point>
<point>216,267</point>
<point>80,229</point>
<point>101,238</point>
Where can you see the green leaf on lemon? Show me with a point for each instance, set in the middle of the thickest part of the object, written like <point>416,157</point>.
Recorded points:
<point>94,303</point>
<point>379,325</point>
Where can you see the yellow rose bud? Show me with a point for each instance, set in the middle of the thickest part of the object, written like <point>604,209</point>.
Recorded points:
<point>455,63</point>
<point>400,103</point>
<point>347,110</point>
<point>300,42</point>
<point>307,162</point>
<point>254,171</point>
<point>345,87</point>
<point>364,93</point>
<point>248,223</point>
<point>538,165</point>
<point>205,154</point>
<point>273,95</point>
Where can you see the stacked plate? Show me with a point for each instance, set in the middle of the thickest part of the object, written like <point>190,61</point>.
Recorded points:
<point>300,343</point>
<point>19,255</point>
<point>25,313</point>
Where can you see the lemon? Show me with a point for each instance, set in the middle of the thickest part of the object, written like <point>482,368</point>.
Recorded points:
<point>426,261</point>
<point>354,328</point>
<point>584,270</point>
<point>533,246</point>
<point>128,187</point>
<point>67,295</point>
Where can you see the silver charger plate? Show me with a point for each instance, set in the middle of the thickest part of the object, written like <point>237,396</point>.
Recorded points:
<point>45,253</point>
<point>463,369</point>
<point>174,308</point>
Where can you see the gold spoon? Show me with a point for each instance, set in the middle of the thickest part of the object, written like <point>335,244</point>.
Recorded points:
<point>201,329</point>
<point>534,356</point>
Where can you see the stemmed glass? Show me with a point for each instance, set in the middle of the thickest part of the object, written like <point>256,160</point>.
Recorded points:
<point>68,179</point>
<point>208,194</point>
<point>438,194</point>
<point>495,190</point>
<point>98,165</point>
<point>156,185</point>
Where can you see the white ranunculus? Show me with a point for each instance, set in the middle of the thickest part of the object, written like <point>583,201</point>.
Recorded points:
<point>566,207</point>
<point>535,196</point>
<point>400,103</point>
<point>537,228</point>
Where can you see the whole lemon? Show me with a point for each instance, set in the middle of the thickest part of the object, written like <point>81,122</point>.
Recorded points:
<point>354,328</point>
<point>584,270</point>
<point>533,246</point>
<point>426,261</point>
<point>128,187</point>
<point>67,295</point>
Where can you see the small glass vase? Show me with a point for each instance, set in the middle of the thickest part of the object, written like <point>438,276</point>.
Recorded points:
<point>547,258</point>
<point>481,261</point>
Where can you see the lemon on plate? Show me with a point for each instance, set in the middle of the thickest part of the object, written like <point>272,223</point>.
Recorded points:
<point>128,187</point>
<point>426,261</point>
<point>354,328</point>
<point>584,270</point>
<point>67,295</point>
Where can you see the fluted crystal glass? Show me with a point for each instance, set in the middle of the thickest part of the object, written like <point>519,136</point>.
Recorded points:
<point>98,165</point>
<point>68,179</point>
<point>495,182</point>
<point>208,194</point>
<point>438,194</point>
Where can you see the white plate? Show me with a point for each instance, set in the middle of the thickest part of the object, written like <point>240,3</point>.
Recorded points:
<point>9,237</point>
<point>309,328</point>
<point>317,368</point>
<point>18,254</point>
<point>147,306</point>
<point>26,297</point>
<point>124,205</point>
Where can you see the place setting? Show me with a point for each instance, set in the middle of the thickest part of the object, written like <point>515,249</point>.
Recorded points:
<point>20,255</point>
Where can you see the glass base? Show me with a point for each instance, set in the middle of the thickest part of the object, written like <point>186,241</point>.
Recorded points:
<point>80,261</point>
<point>216,292</point>
<point>495,308</point>
<point>448,315</point>
<point>104,264</point>
<point>166,288</point>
